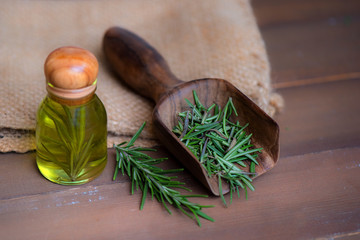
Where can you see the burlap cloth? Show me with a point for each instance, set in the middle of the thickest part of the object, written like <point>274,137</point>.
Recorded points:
<point>202,38</point>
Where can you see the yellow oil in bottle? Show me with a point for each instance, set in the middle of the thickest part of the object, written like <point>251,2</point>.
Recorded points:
<point>71,141</point>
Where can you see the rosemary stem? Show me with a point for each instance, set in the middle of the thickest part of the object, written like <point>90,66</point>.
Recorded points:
<point>143,174</point>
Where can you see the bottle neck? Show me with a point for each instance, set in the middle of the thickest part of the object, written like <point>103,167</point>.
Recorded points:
<point>71,97</point>
<point>71,102</point>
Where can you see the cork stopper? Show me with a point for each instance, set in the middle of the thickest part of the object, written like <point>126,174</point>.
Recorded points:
<point>71,73</point>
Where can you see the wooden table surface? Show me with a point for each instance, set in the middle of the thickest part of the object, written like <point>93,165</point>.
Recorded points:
<point>312,193</point>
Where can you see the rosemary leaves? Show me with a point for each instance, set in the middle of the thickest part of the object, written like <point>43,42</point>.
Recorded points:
<point>147,177</point>
<point>221,146</point>
<point>71,141</point>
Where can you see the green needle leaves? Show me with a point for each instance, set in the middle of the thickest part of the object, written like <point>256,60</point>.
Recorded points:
<point>76,150</point>
<point>150,179</point>
<point>221,146</point>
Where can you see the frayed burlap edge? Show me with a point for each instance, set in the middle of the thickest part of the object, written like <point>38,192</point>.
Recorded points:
<point>22,141</point>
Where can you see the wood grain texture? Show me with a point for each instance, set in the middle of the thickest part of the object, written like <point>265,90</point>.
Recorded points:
<point>313,50</point>
<point>276,12</point>
<point>71,68</point>
<point>320,117</point>
<point>310,41</point>
<point>309,194</point>
<point>71,75</point>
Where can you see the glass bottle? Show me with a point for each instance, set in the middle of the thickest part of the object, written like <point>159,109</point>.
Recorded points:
<point>71,126</point>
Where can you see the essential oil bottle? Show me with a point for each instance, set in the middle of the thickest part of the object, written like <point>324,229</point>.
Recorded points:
<point>71,129</point>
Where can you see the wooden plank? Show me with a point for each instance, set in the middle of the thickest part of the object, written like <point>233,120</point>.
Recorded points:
<point>310,41</point>
<point>310,196</point>
<point>312,50</point>
<point>320,117</point>
<point>21,171</point>
<point>285,11</point>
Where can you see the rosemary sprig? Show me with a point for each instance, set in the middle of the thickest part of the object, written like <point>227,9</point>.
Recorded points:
<point>221,146</point>
<point>147,177</point>
<point>77,151</point>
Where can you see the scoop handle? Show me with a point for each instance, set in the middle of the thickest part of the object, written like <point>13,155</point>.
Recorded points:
<point>138,64</point>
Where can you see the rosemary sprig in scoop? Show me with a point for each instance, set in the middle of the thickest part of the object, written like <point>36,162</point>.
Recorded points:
<point>141,169</point>
<point>220,145</point>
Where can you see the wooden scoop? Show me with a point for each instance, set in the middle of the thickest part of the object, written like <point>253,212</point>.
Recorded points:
<point>143,69</point>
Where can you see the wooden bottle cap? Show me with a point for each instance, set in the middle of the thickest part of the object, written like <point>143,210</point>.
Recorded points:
<point>71,73</point>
